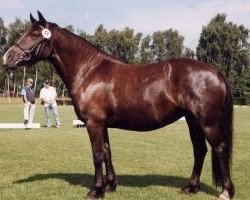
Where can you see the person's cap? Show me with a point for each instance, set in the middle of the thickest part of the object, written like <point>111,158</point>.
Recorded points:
<point>30,80</point>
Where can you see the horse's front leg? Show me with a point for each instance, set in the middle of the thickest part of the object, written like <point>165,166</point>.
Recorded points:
<point>96,133</point>
<point>111,180</point>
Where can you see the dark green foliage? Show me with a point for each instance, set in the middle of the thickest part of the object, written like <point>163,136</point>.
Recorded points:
<point>166,45</point>
<point>189,53</point>
<point>3,34</point>
<point>145,51</point>
<point>226,45</point>
<point>122,44</point>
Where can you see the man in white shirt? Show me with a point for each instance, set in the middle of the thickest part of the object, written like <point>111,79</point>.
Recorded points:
<point>48,95</point>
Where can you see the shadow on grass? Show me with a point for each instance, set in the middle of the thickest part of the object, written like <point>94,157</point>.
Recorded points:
<point>86,180</point>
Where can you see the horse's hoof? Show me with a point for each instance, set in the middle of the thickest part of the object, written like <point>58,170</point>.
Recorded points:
<point>190,189</point>
<point>110,188</point>
<point>95,194</point>
<point>224,195</point>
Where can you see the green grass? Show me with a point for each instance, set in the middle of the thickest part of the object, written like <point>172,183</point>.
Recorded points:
<point>57,163</point>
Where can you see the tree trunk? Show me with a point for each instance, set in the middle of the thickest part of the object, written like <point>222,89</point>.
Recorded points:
<point>14,86</point>
<point>36,79</point>
<point>53,79</point>
<point>8,87</point>
<point>24,75</point>
<point>5,87</point>
<point>63,94</point>
<point>17,90</point>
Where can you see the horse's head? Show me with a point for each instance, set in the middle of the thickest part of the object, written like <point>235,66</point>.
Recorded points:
<point>34,45</point>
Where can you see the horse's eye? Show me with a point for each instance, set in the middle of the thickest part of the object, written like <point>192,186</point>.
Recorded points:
<point>35,34</point>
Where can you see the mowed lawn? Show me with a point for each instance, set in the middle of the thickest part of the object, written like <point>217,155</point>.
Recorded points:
<point>57,163</point>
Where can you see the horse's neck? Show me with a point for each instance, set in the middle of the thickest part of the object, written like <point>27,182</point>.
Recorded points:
<point>74,58</point>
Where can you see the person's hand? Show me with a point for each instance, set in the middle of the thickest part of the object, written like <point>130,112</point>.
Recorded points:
<point>52,101</point>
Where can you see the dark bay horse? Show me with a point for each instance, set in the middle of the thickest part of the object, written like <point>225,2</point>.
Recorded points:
<point>109,93</point>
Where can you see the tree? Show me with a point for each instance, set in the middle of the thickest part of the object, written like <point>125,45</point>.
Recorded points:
<point>3,41</point>
<point>81,33</point>
<point>100,38</point>
<point>13,32</point>
<point>146,54</point>
<point>166,45</point>
<point>122,44</point>
<point>3,34</point>
<point>188,53</point>
<point>225,45</point>
<point>70,28</point>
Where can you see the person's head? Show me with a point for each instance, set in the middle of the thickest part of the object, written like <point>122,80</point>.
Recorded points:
<point>46,84</point>
<point>30,82</point>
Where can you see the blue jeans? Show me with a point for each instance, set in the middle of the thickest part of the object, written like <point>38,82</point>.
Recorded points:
<point>53,109</point>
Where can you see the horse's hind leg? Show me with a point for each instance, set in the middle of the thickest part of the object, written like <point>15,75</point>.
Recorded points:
<point>220,160</point>
<point>199,150</point>
<point>111,181</point>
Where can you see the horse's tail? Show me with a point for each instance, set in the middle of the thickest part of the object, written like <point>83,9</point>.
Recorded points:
<point>226,129</point>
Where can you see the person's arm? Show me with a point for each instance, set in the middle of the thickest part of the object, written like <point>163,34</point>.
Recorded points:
<point>25,99</point>
<point>54,96</point>
<point>45,101</point>
<point>43,98</point>
<point>23,94</point>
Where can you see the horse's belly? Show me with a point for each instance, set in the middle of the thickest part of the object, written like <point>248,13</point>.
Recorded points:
<point>144,119</point>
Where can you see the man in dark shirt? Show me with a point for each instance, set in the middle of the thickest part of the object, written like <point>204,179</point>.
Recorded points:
<point>29,101</point>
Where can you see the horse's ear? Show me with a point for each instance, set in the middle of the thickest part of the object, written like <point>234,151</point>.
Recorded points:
<point>40,16</point>
<point>32,19</point>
